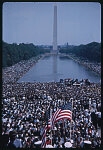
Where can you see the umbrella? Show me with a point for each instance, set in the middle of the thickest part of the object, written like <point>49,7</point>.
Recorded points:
<point>68,145</point>
<point>87,142</point>
<point>49,146</point>
<point>38,142</point>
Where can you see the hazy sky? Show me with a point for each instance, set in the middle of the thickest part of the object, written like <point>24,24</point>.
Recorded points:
<point>77,22</point>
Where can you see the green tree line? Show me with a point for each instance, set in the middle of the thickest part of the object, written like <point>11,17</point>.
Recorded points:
<point>91,51</point>
<point>13,53</point>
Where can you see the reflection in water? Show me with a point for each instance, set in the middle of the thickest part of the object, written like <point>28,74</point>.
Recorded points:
<point>55,67</point>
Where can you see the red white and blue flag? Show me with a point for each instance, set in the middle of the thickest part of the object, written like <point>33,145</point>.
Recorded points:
<point>43,138</point>
<point>64,112</point>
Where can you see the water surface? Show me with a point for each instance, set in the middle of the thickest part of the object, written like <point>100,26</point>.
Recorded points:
<point>53,68</point>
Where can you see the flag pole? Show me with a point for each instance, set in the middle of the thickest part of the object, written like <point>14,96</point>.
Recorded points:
<point>72,112</point>
<point>63,127</point>
<point>51,126</point>
<point>71,120</point>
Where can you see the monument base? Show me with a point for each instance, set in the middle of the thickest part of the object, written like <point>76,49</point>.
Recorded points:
<point>54,52</point>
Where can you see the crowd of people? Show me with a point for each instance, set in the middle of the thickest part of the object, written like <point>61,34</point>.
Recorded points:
<point>15,72</point>
<point>96,67</point>
<point>25,106</point>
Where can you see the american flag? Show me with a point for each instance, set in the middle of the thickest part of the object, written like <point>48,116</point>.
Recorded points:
<point>53,118</point>
<point>43,138</point>
<point>44,130</point>
<point>64,112</point>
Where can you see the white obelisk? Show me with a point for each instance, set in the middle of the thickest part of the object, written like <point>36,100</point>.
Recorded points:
<point>55,29</point>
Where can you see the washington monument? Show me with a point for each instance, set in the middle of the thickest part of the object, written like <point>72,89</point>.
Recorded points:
<point>55,29</point>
